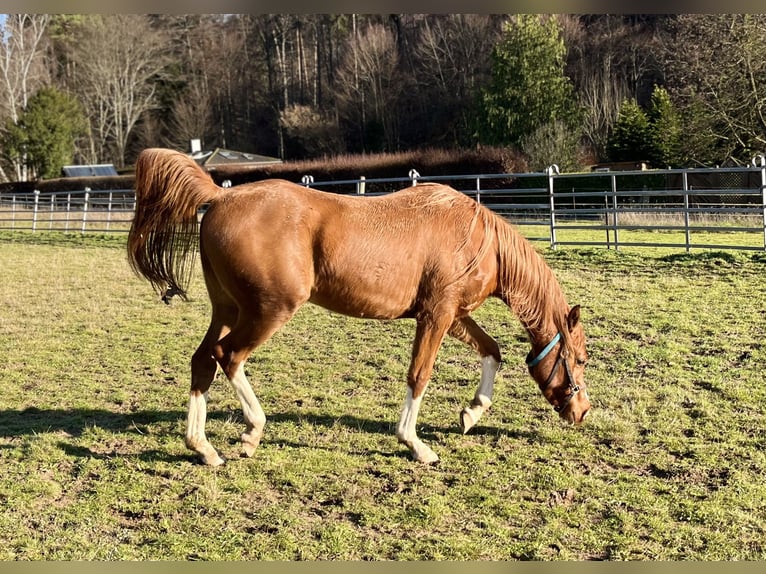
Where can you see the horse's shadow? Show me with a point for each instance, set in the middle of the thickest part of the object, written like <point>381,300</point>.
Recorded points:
<point>71,423</point>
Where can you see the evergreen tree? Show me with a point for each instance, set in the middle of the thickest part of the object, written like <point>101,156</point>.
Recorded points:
<point>665,130</point>
<point>631,138</point>
<point>528,88</point>
<point>44,137</point>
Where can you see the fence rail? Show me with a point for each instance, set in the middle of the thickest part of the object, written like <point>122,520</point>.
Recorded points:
<point>72,211</point>
<point>721,208</point>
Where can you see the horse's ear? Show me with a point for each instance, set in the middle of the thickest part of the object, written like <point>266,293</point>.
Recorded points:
<point>574,317</point>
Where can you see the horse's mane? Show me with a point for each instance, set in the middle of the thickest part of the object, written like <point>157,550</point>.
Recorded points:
<point>527,283</point>
<point>441,196</point>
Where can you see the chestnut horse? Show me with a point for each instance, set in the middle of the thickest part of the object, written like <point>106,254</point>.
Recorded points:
<point>428,253</point>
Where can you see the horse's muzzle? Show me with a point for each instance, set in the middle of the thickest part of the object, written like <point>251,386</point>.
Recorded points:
<point>577,411</point>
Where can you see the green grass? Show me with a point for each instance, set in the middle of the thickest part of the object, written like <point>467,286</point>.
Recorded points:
<point>94,385</point>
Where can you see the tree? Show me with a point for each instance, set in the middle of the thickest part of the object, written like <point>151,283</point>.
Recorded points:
<point>631,138</point>
<point>553,143</point>
<point>307,133</point>
<point>611,58</point>
<point>118,59</point>
<point>22,72</point>
<point>197,96</point>
<point>452,54</point>
<point>665,130</point>
<point>528,88</point>
<point>368,88</point>
<point>43,137</point>
<point>655,135</point>
<point>717,64</point>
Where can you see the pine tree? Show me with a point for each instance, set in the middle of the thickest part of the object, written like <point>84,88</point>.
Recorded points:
<point>666,130</point>
<point>631,138</point>
<point>528,88</point>
<point>44,136</point>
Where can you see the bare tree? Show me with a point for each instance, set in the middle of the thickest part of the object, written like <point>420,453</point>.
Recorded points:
<point>118,58</point>
<point>717,62</point>
<point>22,71</point>
<point>611,59</point>
<point>453,56</point>
<point>367,89</point>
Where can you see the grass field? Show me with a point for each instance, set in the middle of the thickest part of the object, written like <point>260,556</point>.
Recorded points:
<point>94,386</point>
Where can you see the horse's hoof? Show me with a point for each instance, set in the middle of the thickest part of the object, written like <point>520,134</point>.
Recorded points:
<point>212,460</point>
<point>428,459</point>
<point>467,420</point>
<point>249,444</point>
<point>426,456</point>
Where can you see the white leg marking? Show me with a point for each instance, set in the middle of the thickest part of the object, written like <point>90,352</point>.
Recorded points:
<point>195,429</point>
<point>195,420</point>
<point>489,367</point>
<point>407,433</point>
<point>255,418</point>
<point>482,400</point>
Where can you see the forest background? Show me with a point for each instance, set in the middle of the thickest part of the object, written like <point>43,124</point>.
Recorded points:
<point>673,90</point>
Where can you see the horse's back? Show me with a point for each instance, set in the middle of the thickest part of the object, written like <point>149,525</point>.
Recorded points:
<point>362,256</point>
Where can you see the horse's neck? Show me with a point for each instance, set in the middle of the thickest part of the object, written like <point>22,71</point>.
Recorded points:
<point>529,288</point>
<point>540,336</point>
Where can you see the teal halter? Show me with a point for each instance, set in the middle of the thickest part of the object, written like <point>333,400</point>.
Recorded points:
<point>573,387</point>
<point>533,362</point>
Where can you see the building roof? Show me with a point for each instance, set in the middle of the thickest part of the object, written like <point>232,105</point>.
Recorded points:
<point>88,170</point>
<point>226,157</point>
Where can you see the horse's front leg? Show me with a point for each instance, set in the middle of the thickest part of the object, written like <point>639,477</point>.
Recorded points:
<point>482,400</point>
<point>465,329</point>
<point>428,338</point>
<point>406,432</point>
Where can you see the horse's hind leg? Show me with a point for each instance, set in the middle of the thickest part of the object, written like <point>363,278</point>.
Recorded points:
<point>229,349</point>
<point>252,330</point>
<point>203,368</point>
<point>466,330</point>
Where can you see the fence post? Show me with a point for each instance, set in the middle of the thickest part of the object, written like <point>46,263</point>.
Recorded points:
<point>361,185</point>
<point>68,211</point>
<point>13,212</point>
<point>109,208</point>
<point>614,212</point>
<point>34,210</point>
<point>307,180</point>
<point>478,190</point>
<point>53,208</point>
<point>687,231</point>
<point>85,209</point>
<point>762,160</point>
<point>551,170</point>
<point>414,175</point>
<point>763,197</point>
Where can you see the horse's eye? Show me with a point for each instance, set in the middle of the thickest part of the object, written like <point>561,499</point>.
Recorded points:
<point>580,362</point>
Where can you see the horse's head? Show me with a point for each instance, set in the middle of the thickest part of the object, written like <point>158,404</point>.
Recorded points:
<point>560,373</point>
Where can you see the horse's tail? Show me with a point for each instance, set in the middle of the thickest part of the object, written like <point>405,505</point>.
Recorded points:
<point>170,188</point>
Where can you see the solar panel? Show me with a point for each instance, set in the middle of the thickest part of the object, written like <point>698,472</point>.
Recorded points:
<point>89,170</point>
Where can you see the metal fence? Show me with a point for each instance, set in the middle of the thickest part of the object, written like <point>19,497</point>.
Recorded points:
<point>71,211</point>
<point>721,208</point>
